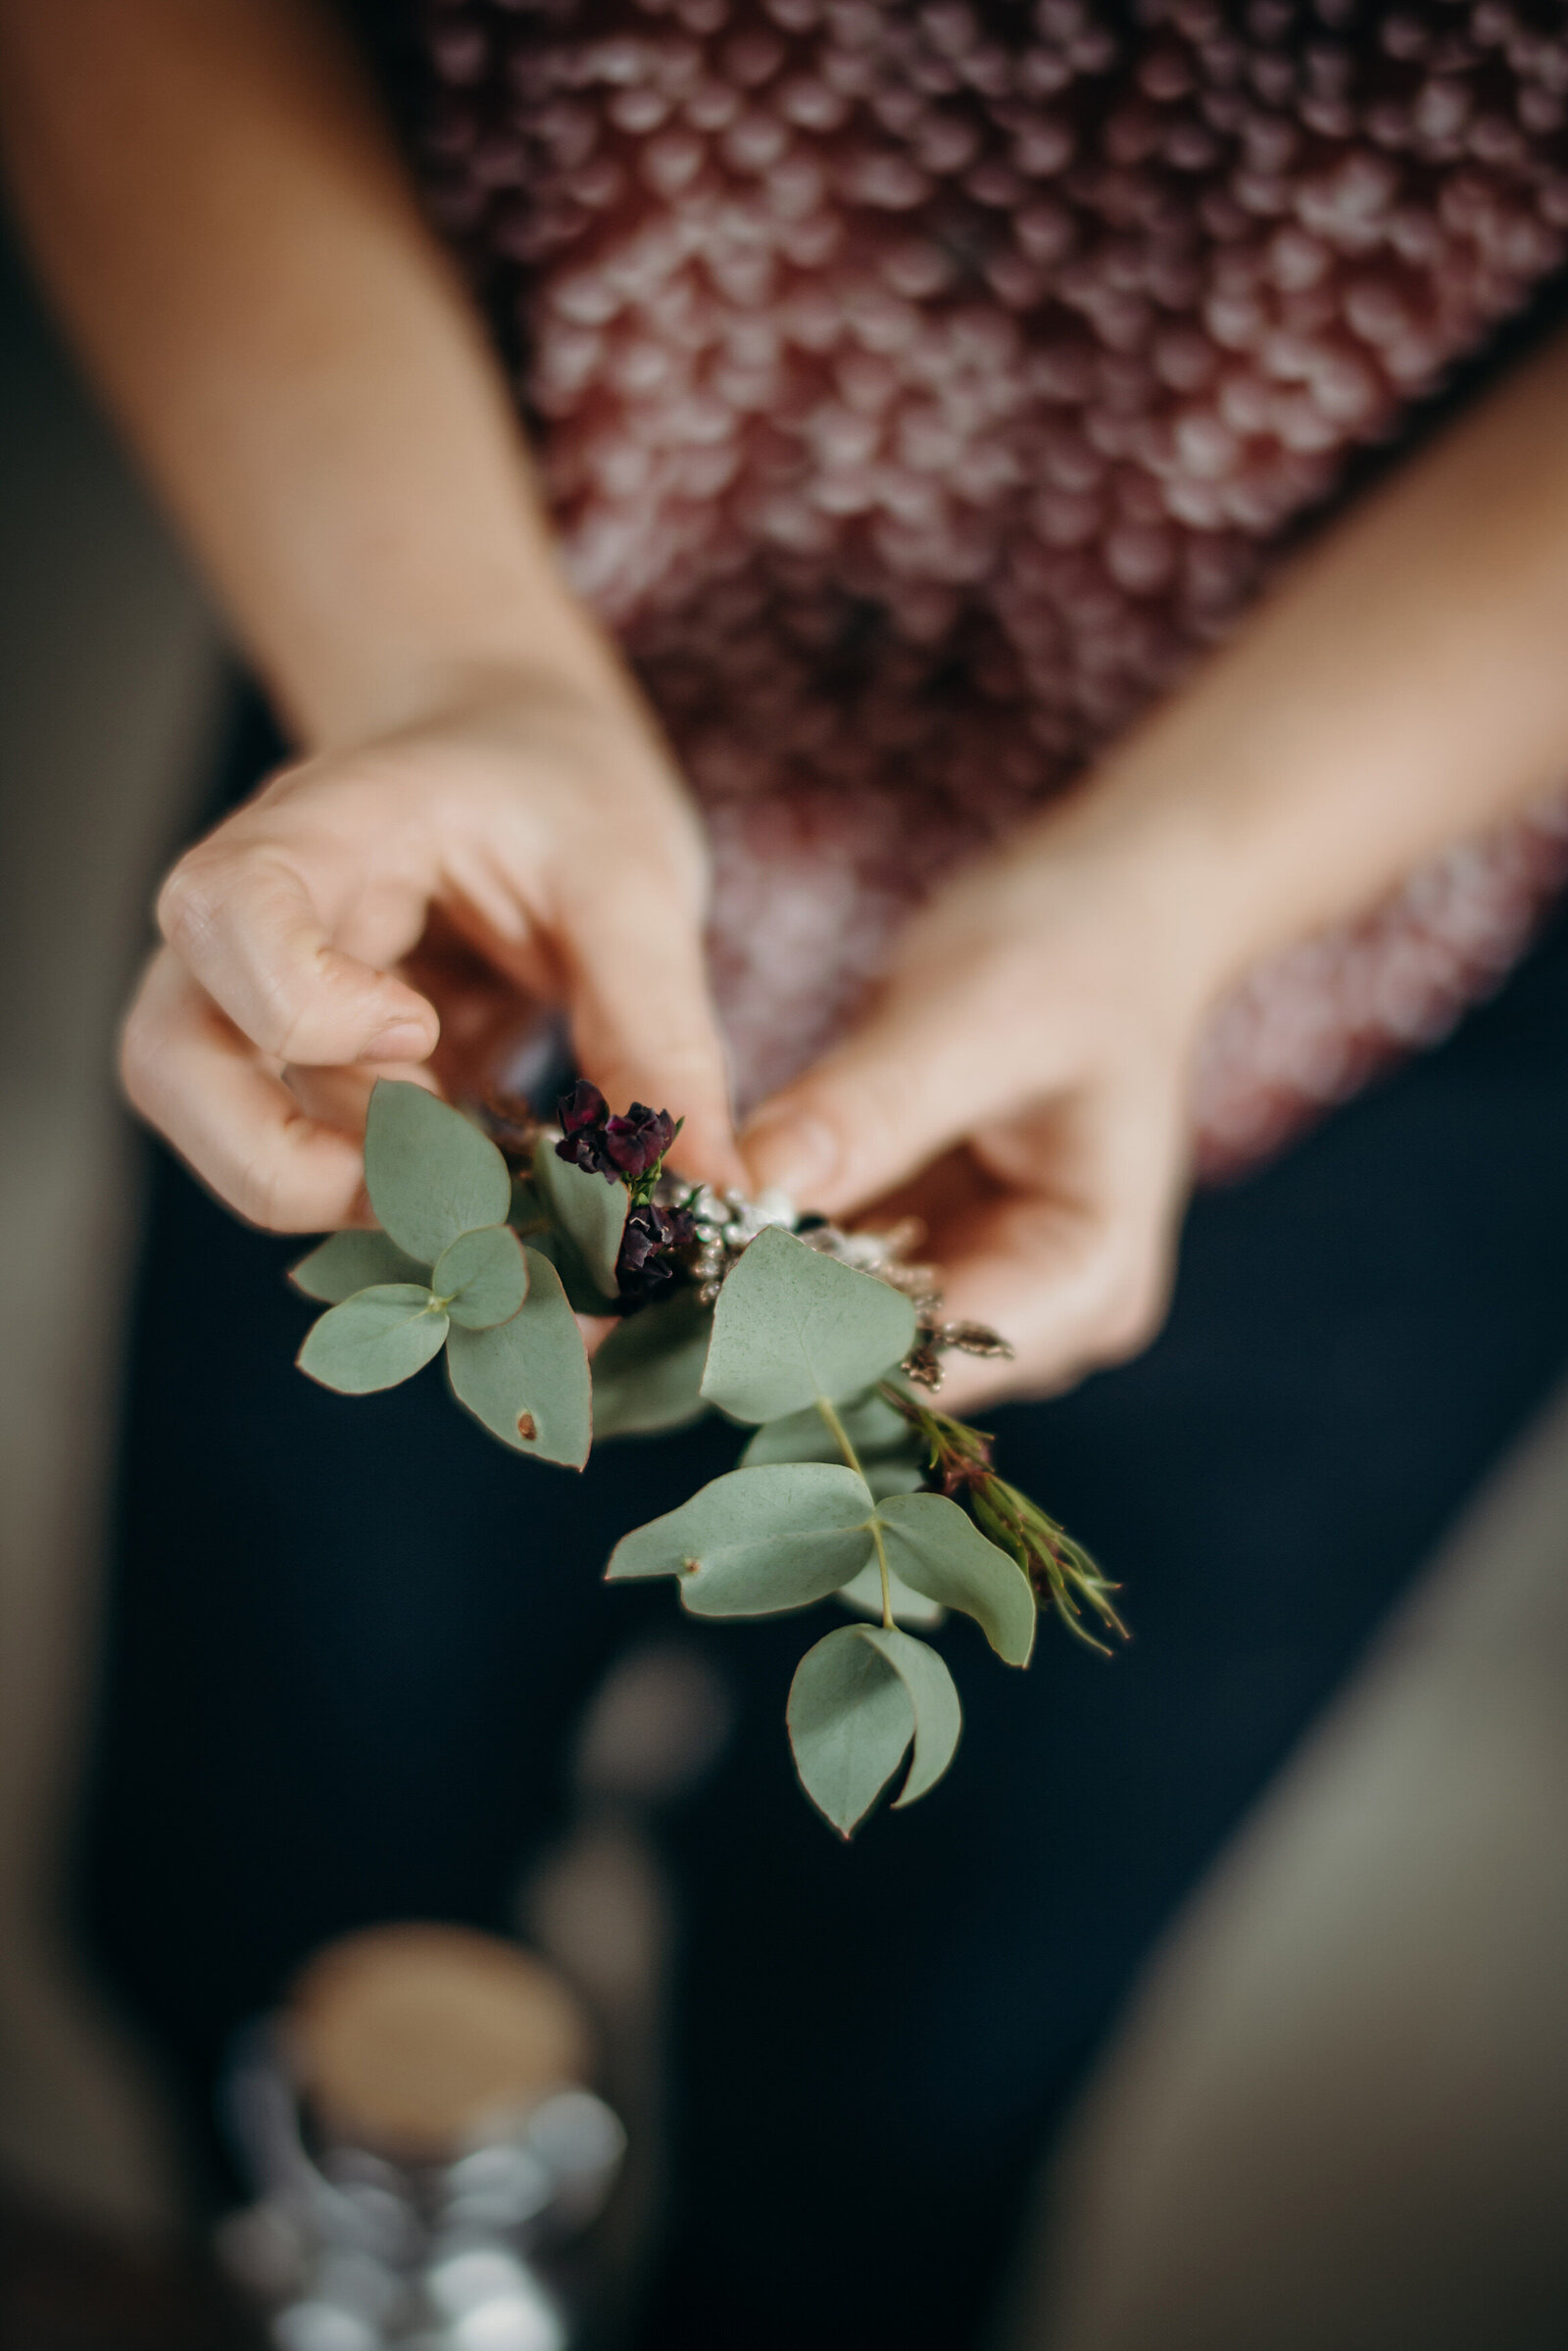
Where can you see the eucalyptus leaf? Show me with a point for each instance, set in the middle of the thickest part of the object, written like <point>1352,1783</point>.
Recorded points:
<point>374,1339</point>
<point>935,1548</point>
<point>757,1541</point>
<point>869,1422</point>
<point>791,1325</point>
<point>938,1715</point>
<point>527,1214</point>
<point>582,1291</point>
<point>430,1174</point>
<point>345,1262</point>
<point>863,1596</point>
<point>857,1699</point>
<point>527,1380</point>
<point>484,1277</point>
<point>894,1477</point>
<point>648,1374</point>
<point>590,1208</point>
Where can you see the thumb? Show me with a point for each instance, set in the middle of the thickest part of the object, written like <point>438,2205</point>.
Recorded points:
<point>247,930</point>
<point>643,1027</point>
<point>905,1085</point>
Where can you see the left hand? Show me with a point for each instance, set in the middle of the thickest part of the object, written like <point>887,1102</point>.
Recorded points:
<point>1020,1084</point>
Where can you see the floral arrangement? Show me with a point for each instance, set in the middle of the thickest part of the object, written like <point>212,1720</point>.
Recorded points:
<point>827,1344</point>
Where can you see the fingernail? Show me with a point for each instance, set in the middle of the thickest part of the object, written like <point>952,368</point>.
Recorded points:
<point>399,1041</point>
<point>797,1156</point>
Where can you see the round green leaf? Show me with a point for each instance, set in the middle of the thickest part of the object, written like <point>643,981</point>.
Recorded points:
<point>590,1208</point>
<point>484,1277</point>
<point>430,1174</point>
<point>345,1262</point>
<point>937,1549</point>
<point>375,1339</point>
<point>874,1428</point>
<point>791,1325</point>
<point>527,1380</point>
<point>863,1596</point>
<point>938,1715</point>
<point>857,1699</point>
<point>757,1541</point>
<point>648,1374</point>
<point>894,1477</point>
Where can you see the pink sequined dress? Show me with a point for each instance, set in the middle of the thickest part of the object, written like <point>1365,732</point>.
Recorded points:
<point>920,389</point>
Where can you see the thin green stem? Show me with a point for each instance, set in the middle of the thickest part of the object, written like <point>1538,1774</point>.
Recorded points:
<point>882,1570</point>
<point>839,1435</point>
<point>841,1438</point>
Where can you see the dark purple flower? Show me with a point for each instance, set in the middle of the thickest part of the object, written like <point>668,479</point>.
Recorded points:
<point>583,1107</point>
<point>583,1113</point>
<point>647,1248</point>
<point>636,1142</point>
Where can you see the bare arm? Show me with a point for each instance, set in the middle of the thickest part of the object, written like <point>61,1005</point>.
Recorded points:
<point>223,218</point>
<point>220,215</point>
<point>1408,685</point>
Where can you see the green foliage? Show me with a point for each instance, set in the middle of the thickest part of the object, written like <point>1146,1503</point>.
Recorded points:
<point>862,1595</point>
<point>648,1374</point>
<point>375,1339</point>
<point>589,1209</point>
<point>857,1699</point>
<point>934,1549</point>
<point>830,1499</point>
<point>791,1325</point>
<point>484,1277</point>
<point>345,1262</point>
<point>758,1542</point>
<point>430,1174</point>
<point>528,1378</point>
<point>874,1430</point>
<point>894,1477</point>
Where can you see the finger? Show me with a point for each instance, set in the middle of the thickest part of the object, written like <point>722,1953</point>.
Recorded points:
<point>245,926</point>
<point>1063,1292</point>
<point>917,1074</point>
<point>1074,1269</point>
<point>341,1098</point>
<point>643,1022</point>
<point>195,1079</point>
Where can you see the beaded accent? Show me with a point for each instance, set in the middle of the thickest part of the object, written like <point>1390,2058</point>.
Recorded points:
<point>922,389</point>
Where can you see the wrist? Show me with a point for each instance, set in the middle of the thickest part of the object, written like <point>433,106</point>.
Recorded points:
<point>489,643</point>
<point>1146,880</point>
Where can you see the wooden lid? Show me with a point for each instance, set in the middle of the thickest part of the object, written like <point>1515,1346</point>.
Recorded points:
<point>415,2039</point>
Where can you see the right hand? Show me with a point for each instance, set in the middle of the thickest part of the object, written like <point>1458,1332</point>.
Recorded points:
<point>535,827</point>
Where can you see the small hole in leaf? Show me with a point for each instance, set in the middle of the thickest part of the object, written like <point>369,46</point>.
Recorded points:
<point>527,1427</point>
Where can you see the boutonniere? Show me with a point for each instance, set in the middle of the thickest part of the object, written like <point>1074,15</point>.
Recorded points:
<point>825,1345</point>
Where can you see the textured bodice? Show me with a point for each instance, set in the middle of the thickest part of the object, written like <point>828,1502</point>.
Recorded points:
<point>922,389</point>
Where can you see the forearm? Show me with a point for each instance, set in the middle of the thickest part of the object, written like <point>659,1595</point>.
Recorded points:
<point>223,222</point>
<point>1405,686</point>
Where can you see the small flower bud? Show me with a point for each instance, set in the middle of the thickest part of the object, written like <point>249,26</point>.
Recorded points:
<point>636,1142</point>
<point>648,1244</point>
<point>583,1107</point>
<point>583,1113</point>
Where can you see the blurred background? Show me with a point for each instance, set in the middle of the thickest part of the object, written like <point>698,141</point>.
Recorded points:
<point>1337,2114</point>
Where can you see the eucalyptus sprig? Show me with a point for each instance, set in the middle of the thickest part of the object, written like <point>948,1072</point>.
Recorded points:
<point>1060,1570</point>
<point>850,1485</point>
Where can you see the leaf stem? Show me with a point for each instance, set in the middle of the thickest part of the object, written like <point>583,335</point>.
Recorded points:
<point>841,1438</point>
<point>839,1435</point>
<point>1060,1570</point>
<point>882,1571</point>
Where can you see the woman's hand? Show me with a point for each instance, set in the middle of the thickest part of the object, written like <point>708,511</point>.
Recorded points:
<point>526,844</point>
<point>1019,1084</point>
